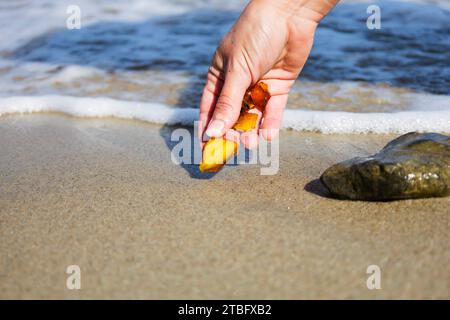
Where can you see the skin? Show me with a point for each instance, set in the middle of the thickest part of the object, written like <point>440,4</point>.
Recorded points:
<point>270,42</point>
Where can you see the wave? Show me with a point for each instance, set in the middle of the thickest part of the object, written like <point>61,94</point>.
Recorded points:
<point>328,122</point>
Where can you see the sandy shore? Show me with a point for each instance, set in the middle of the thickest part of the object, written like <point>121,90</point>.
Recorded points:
<point>104,195</point>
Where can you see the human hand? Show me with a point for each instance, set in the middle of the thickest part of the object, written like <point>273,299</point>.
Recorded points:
<point>270,42</point>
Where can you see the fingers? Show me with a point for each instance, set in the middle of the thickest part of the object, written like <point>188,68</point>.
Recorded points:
<point>222,101</point>
<point>250,139</point>
<point>209,99</point>
<point>273,116</point>
<point>277,85</point>
<point>271,122</point>
<point>229,103</point>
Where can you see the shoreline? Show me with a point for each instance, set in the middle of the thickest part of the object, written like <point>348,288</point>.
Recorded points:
<point>104,195</point>
<point>435,119</point>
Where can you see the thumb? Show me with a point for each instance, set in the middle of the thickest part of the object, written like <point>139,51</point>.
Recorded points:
<point>229,103</point>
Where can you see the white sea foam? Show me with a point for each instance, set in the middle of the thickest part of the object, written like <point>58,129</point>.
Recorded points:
<point>351,122</point>
<point>302,120</point>
<point>98,107</point>
<point>156,51</point>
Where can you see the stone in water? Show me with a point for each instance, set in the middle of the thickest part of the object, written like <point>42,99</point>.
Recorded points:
<point>415,165</point>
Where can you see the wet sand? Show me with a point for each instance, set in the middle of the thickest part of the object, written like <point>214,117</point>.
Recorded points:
<point>104,195</point>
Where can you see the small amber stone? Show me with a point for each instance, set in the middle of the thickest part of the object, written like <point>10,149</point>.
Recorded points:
<point>246,122</point>
<point>216,153</point>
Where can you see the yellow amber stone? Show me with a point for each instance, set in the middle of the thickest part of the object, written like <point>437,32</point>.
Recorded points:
<point>216,153</point>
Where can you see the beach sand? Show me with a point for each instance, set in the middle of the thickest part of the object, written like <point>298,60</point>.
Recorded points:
<point>103,194</point>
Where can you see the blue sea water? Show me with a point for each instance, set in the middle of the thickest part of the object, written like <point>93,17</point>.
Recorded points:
<point>155,54</point>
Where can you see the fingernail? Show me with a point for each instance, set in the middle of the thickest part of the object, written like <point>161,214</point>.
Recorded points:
<point>215,128</point>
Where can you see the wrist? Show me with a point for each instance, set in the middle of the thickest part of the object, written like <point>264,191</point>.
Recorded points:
<point>312,10</point>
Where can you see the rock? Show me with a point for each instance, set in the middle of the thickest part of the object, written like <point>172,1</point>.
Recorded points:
<point>412,166</point>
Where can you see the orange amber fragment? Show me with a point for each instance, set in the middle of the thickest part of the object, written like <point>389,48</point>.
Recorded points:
<point>260,95</point>
<point>216,153</point>
<point>257,96</point>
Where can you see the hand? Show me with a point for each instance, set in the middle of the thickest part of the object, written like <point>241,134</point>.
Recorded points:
<point>270,42</point>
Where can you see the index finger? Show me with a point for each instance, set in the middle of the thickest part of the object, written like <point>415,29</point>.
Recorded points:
<point>209,98</point>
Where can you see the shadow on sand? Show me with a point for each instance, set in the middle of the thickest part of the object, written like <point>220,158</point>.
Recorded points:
<point>316,187</point>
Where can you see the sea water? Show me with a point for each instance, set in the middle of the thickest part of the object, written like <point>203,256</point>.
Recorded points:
<point>147,59</point>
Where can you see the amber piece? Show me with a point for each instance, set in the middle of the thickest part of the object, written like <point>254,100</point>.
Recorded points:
<point>246,122</point>
<point>247,102</point>
<point>216,153</point>
<point>257,96</point>
<point>260,95</point>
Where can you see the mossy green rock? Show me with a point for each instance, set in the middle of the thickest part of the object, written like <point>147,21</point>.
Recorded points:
<point>414,165</point>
